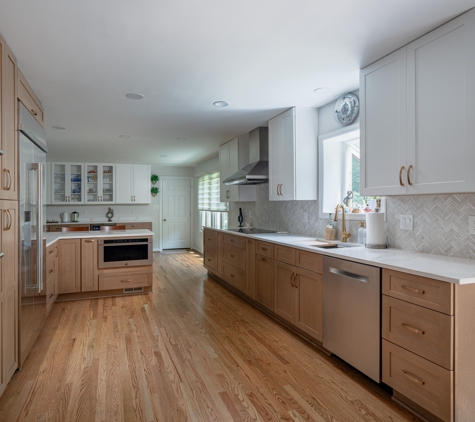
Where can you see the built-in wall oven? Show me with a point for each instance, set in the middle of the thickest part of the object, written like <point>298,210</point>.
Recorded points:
<point>125,252</point>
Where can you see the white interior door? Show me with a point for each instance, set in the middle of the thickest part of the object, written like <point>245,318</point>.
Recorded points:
<point>176,214</point>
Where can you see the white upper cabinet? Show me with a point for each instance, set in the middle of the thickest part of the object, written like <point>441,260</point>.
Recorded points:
<point>417,133</point>
<point>133,184</point>
<point>293,155</point>
<point>67,183</point>
<point>234,155</point>
<point>100,183</point>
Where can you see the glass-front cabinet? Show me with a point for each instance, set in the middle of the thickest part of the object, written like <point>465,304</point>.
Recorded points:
<point>100,180</point>
<point>68,183</point>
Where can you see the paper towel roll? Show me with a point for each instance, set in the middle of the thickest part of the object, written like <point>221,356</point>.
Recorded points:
<point>375,229</point>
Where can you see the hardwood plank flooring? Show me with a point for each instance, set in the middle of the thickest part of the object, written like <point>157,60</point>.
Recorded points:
<point>189,351</point>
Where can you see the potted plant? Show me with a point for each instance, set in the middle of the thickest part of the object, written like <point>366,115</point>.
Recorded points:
<point>154,179</point>
<point>154,191</point>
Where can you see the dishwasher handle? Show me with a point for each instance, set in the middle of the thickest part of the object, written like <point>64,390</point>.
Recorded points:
<point>344,273</point>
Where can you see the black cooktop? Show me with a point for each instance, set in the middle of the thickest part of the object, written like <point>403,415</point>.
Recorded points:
<point>251,230</point>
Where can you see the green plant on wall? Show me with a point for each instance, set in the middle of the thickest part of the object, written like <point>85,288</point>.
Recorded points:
<point>154,178</point>
<point>154,191</point>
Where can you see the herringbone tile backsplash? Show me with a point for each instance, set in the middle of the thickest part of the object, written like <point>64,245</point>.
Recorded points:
<point>440,221</point>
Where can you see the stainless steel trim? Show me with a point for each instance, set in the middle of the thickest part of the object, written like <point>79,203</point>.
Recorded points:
<point>2,254</point>
<point>348,274</point>
<point>1,152</point>
<point>39,224</point>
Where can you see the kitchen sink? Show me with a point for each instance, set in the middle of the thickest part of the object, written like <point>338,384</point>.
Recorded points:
<point>323,244</point>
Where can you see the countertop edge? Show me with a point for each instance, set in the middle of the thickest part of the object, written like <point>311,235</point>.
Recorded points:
<point>411,262</point>
<point>52,238</point>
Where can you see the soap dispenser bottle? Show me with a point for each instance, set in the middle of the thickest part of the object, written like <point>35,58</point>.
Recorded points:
<point>362,233</point>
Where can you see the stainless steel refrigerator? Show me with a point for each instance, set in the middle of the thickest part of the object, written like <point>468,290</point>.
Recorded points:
<point>32,159</point>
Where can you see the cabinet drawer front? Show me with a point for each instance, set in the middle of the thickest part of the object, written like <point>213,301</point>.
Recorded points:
<point>234,276</point>
<point>51,292</point>
<point>423,382</point>
<point>420,330</point>
<point>265,249</point>
<point>309,261</point>
<point>30,103</point>
<point>234,256</point>
<point>137,226</point>
<point>426,292</point>
<point>124,280</point>
<point>210,239</point>
<point>210,260</point>
<point>50,266</point>
<point>284,254</point>
<point>231,239</point>
<point>51,254</point>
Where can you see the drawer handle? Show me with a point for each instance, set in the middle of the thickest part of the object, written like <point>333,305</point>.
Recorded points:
<point>50,296</point>
<point>264,249</point>
<point>409,175</point>
<point>413,378</point>
<point>209,259</point>
<point>89,241</point>
<point>209,239</point>
<point>412,329</point>
<point>232,275</point>
<point>400,176</point>
<point>34,112</point>
<point>292,280</point>
<point>232,240</point>
<point>262,259</point>
<point>126,281</point>
<point>412,289</point>
<point>51,251</point>
<point>50,271</point>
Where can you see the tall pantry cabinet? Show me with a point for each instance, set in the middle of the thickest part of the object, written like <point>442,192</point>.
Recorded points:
<point>8,217</point>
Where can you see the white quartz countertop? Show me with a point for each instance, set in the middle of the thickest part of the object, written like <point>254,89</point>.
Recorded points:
<point>440,267</point>
<point>53,237</point>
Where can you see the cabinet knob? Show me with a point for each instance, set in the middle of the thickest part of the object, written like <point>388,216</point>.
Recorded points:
<point>34,112</point>
<point>50,271</point>
<point>51,295</point>
<point>164,219</point>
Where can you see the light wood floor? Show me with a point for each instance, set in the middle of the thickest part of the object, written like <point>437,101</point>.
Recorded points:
<point>190,351</point>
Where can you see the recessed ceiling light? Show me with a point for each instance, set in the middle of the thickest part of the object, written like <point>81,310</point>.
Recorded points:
<point>163,155</point>
<point>322,90</point>
<point>59,127</point>
<point>181,139</point>
<point>124,136</point>
<point>220,103</point>
<point>134,96</point>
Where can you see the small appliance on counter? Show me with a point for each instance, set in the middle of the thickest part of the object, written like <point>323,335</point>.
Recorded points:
<point>64,217</point>
<point>375,230</point>
<point>74,217</point>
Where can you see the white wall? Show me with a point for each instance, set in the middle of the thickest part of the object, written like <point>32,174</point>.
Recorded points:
<point>207,166</point>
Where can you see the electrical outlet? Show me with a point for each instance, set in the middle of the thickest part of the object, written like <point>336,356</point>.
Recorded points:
<point>305,217</point>
<point>471,224</point>
<point>406,222</point>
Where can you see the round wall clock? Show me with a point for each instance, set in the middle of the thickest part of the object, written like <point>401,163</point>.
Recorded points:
<point>346,109</point>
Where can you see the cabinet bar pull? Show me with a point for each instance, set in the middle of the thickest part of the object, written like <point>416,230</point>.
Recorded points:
<point>232,256</point>
<point>51,295</point>
<point>277,189</point>
<point>126,281</point>
<point>409,175</point>
<point>50,271</point>
<point>9,220</point>
<point>209,259</point>
<point>34,112</point>
<point>412,289</point>
<point>89,241</point>
<point>280,189</point>
<point>231,240</point>
<point>260,259</point>
<point>232,275</point>
<point>264,249</point>
<point>412,329</point>
<point>413,378</point>
<point>400,176</point>
<point>51,251</point>
<point>292,280</point>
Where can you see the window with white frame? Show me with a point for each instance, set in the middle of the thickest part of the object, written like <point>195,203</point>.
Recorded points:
<point>213,213</point>
<point>339,174</point>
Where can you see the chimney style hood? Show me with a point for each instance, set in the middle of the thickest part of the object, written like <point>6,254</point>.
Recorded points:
<point>258,171</point>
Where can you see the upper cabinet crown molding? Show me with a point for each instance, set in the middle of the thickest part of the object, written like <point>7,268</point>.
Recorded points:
<point>293,155</point>
<point>417,113</point>
<point>233,156</point>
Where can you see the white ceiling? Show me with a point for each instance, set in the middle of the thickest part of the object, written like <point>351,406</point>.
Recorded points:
<point>262,56</point>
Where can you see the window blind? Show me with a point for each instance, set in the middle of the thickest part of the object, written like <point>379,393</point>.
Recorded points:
<point>208,193</point>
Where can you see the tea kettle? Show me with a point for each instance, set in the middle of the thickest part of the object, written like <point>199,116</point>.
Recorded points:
<point>74,216</point>
<point>64,217</point>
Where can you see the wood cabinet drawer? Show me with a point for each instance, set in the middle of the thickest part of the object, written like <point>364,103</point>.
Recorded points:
<point>309,261</point>
<point>51,266</point>
<point>427,384</point>
<point>29,99</point>
<point>234,256</point>
<point>426,292</point>
<point>210,260</point>
<point>123,280</point>
<point>234,276</point>
<point>265,249</point>
<point>231,239</point>
<point>51,292</point>
<point>284,254</point>
<point>420,330</point>
<point>210,239</point>
<point>51,253</point>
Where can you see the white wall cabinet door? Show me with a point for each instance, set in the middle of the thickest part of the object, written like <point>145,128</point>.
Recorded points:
<point>100,183</point>
<point>441,109</point>
<point>383,126</point>
<point>132,184</point>
<point>293,155</point>
<point>67,183</point>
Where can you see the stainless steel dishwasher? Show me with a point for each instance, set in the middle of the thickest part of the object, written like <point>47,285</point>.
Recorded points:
<point>351,314</point>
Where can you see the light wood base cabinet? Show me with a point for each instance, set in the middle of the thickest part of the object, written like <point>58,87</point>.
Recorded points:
<point>69,274</point>
<point>8,291</point>
<point>265,281</point>
<point>89,277</point>
<point>120,278</point>
<point>51,275</point>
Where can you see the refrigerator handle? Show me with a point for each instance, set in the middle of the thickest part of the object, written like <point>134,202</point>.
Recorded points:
<point>39,225</point>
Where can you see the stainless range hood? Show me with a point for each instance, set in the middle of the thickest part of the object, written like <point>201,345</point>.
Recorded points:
<point>258,171</point>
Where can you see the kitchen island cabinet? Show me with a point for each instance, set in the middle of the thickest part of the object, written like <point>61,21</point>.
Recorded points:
<point>89,277</point>
<point>265,282</point>
<point>421,143</point>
